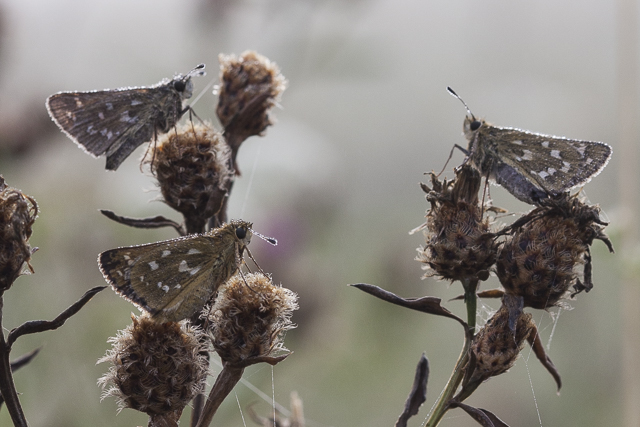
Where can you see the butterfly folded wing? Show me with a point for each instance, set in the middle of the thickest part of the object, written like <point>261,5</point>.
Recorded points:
<point>555,164</point>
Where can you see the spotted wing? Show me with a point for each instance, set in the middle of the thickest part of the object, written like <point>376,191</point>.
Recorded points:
<point>172,280</point>
<point>555,164</point>
<point>114,122</point>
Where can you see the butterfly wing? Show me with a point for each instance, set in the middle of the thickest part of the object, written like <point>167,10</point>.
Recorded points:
<point>173,279</point>
<point>114,122</point>
<point>552,163</point>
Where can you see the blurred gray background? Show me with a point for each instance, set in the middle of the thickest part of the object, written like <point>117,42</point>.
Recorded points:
<point>335,180</point>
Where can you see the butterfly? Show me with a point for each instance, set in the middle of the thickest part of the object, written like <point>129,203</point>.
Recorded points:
<point>114,122</point>
<point>173,279</point>
<point>531,166</point>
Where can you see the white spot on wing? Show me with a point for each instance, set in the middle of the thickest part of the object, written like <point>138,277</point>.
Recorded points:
<point>124,117</point>
<point>165,253</point>
<point>556,154</point>
<point>193,251</point>
<point>194,270</point>
<point>183,266</point>
<point>153,265</point>
<point>517,142</point>
<point>543,174</point>
<point>136,102</point>
<point>545,144</point>
<point>566,167</point>
<point>101,115</point>
<point>527,155</point>
<point>551,171</point>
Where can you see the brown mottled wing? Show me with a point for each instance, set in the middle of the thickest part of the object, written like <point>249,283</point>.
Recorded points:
<point>556,164</point>
<point>113,122</point>
<point>173,279</point>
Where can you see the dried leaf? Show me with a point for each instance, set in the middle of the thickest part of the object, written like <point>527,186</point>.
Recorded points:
<point>153,222</point>
<point>482,416</point>
<point>538,349</point>
<point>418,394</point>
<point>429,305</point>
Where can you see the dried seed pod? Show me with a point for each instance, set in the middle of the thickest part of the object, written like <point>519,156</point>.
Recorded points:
<point>18,212</point>
<point>156,368</point>
<point>495,348</point>
<point>192,166</point>
<point>538,261</point>
<point>249,318</point>
<point>459,243</point>
<point>250,86</point>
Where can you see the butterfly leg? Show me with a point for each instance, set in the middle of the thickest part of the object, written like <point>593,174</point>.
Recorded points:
<point>464,150</point>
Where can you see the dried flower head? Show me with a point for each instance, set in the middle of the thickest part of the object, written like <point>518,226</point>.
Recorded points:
<point>538,262</point>
<point>495,348</point>
<point>192,166</point>
<point>248,319</point>
<point>18,212</point>
<point>250,86</point>
<point>459,243</point>
<point>156,368</point>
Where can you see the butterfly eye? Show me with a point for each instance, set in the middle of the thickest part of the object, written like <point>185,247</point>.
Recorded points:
<point>241,233</point>
<point>475,125</point>
<point>179,86</point>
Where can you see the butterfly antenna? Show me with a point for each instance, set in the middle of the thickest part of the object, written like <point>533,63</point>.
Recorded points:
<point>452,92</point>
<point>270,240</point>
<point>197,71</point>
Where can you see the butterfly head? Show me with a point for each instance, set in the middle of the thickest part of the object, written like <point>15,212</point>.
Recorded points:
<point>471,124</point>
<point>183,85</point>
<point>242,231</point>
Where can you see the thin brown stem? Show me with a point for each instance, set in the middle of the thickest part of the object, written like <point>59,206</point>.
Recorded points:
<point>7,386</point>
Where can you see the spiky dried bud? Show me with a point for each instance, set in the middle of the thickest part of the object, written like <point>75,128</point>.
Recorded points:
<point>249,318</point>
<point>156,368</point>
<point>18,212</point>
<point>538,262</point>
<point>495,348</point>
<point>459,243</point>
<point>193,169</point>
<point>250,86</point>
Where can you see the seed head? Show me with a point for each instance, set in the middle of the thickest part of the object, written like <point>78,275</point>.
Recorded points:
<point>459,243</point>
<point>495,348</point>
<point>192,167</point>
<point>156,368</point>
<point>250,86</point>
<point>18,212</point>
<point>538,261</point>
<point>249,318</point>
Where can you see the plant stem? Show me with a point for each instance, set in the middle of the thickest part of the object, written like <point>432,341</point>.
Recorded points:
<point>442,406</point>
